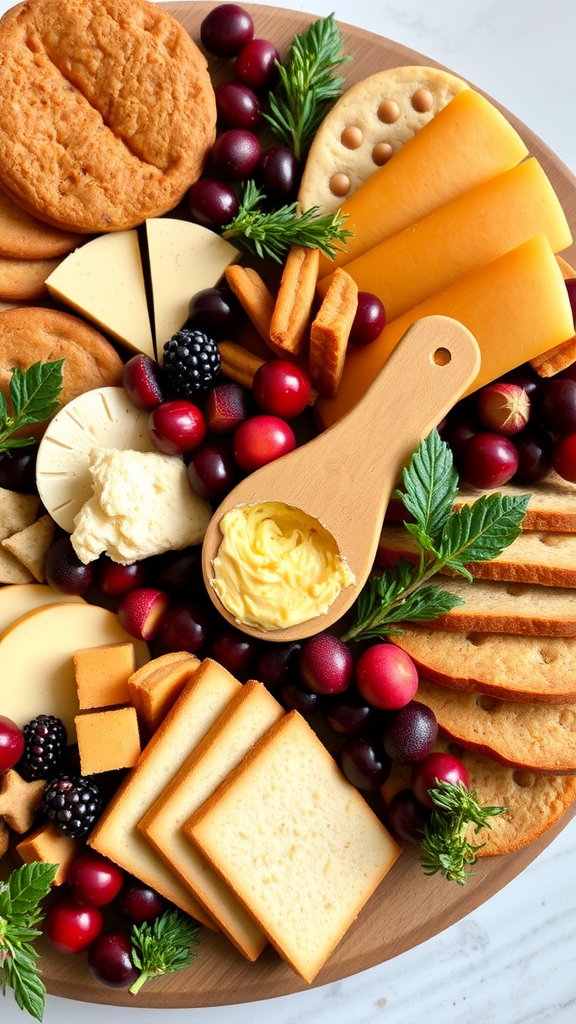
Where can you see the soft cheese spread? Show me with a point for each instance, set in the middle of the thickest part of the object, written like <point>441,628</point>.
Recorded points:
<point>277,566</point>
<point>142,505</point>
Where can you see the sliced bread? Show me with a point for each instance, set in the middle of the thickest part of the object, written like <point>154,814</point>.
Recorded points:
<point>548,559</point>
<point>245,720</point>
<point>296,842</point>
<point>539,737</point>
<point>519,668</point>
<point>496,607</point>
<point>156,686</point>
<point>116,834</point>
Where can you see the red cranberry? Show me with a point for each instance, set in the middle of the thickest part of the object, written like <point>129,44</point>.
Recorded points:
<point>262,439</point>
<point>115,579</point>
<point>177,427</point>
<point>94,880</point>
<point>11,743</point>
<point>281,388</point>
<point>141,378</point>
<point>71,928</point>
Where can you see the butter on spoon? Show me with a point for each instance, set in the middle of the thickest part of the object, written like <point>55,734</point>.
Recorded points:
<point>343,478</point>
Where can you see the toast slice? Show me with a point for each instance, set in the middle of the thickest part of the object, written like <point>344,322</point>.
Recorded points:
<point>116,834</point>
<point>296,842</point>
<point>548,559</point>
<point>528,669</point>
<point>245,720</point>
<point>536,737</point>
<point>497,607</point>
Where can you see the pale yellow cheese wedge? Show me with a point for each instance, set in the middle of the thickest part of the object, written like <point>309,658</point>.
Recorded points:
<point>467,142</point>
<point>19,599</point>
<point>516,307</point>
<point>471,230</point>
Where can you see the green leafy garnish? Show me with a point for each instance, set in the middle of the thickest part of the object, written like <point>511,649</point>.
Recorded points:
<point>34,396</point>
<point>307,84</point>
<point>271,234</point>
<point>20,914</point>
<point>446,539</point>
<point>163,947</point>
<point>446,850</point>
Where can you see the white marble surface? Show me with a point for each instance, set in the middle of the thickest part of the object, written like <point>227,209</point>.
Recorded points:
<point>512,961</point>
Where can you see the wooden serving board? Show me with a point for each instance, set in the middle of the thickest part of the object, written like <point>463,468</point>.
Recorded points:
<point>408,907</point>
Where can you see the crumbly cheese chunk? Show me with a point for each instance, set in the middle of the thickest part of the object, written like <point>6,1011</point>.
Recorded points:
<point>142,505</point>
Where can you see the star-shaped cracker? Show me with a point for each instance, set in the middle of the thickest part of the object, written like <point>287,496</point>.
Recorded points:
<point>19,800</point>
<point>3,837</point>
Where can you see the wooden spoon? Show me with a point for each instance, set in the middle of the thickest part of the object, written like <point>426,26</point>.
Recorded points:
<point>345,476</point>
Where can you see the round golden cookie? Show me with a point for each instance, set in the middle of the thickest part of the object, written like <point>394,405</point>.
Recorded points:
<point>107,115</point>
<point>370,122</point>
<point>24,280</point>
<point>29,334</point>
<point>24,237</point>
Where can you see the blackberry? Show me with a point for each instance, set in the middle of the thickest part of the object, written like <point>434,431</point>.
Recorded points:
<point>44,747</point>
<point>191,362</point>
<point>73,804</point>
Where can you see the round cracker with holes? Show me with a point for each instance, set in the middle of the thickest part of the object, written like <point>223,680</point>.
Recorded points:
<point>368,124</point>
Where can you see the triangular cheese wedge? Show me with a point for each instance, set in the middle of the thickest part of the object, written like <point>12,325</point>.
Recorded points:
<point>104,281</point>
<point>184,259</point>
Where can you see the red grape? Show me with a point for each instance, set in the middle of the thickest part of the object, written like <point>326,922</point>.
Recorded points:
<point>215,311</point>
<point>407,816</point>
<point>11,743</point>
<point>325,664</point>
<point>437,767</point>
<point>504,408</point>
<point>386,676</point>
<point>255,65</point>
<point>564,457</point>
<point>236,153</point>
<point>369,320</point>
<point>212,203</point>
<point>488,460</point>
<point>410,733</point>
<point>94,880</point>
<point>281,388</point>
<point>110,959</point>
<point>64,570</point>
<point>226,29</point>
<point>212,472</point>
<point>71,928</point>
<point>260,440</point>
<point>237,105</point>
<point>177,427</point>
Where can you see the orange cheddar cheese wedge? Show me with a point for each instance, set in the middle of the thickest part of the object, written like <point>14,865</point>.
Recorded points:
<point>465,143</point>
<point>516,307</point>
<point>473,229</point>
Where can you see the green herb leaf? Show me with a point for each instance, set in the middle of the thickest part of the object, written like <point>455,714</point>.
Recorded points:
<point>445,538</point>
<point>446,850</point>
<point>272,234</point>
<point>20,913</point>
<point>307,84</point>
<point>34,394</point>
<point>163,947</point>
<point>430,486</point>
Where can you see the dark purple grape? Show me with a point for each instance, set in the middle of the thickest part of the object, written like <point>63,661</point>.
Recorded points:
<point>535,447</point>
<point>236,153</point>
<point>457,432</point>
<point>212,203</point>
<point>177,571</point>
<point>296,697</point>
<point>256,66</point>
<point>18,469</point>
<point>488,460</point>
<point>525,377</point>
<point>369,320</point>
<point>325,664</point>
<point>277,663</point>
<point>410,733</point>
<point>233,649</point>
<point>212,472</point>
<point>64,570</point>
<point>364,763</point>
<point>278,172</point>
<point>351,715</point>
<point>557,406</point>
<point>138,902</point>
<point>407,816</point>
<point>216,311</point>
<point>110,959</point>
<point>571,289</point>
<point>237,106</point>
<point>186,627</point>
<point>226,29</point>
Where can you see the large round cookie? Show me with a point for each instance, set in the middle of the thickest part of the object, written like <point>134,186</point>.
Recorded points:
<point>31,334</point>
<point>107,112</point>
<point>23,237</point>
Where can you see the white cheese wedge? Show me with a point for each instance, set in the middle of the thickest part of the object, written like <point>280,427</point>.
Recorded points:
<point>19,599</point>
<point>104,281</point>
<point>36,657</point>
<point>184,259</point>
<point>102,418</point>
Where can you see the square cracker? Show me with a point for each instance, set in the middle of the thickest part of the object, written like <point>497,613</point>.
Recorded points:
<point>30,546</point>
<point>16,511</point>
<point>11,570</point>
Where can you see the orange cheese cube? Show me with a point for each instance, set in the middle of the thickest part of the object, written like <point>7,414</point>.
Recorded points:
<point>50,846</point>
<point>473,229</point>
<point>516,307</point>
<point>102,674</point>
<point>465,143</point>
<point>108,740</point>
<point>155,687</point>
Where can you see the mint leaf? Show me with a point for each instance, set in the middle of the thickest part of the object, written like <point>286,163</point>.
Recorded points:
<point>23,976</point>
<point>34,393</point>
<point>431,485</point>
<point>20,913</point>
<point>481,531</point>
<point>29,884</point>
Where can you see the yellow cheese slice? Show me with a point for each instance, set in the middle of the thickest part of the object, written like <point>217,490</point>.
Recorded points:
<point>17,600</point>
<point>36,656</point>
<point>467,142</point>
<point>104,281</point>
<point>473,229</point>
<point>184,259</point>
<point>516,307</point>
<point>116,834</point>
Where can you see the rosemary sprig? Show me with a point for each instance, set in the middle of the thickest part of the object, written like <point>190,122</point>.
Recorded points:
<point>446,850</point>
<point>271,234</point>
<point>163,947</point>
<point>307,84</point>
<point>445,539</point>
